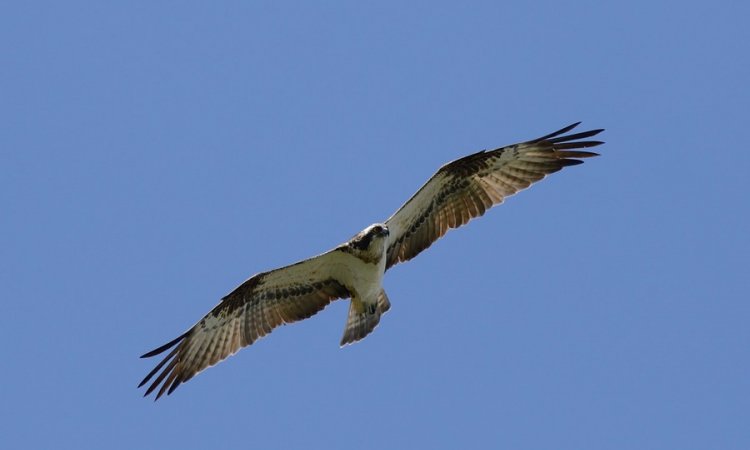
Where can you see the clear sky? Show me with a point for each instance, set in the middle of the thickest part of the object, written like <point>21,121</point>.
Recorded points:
<point>156,154</point>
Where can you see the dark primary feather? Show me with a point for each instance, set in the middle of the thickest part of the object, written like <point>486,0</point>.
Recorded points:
<point>467,187</point>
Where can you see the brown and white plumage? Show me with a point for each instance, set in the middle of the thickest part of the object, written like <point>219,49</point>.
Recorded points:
<point>465,188</point>
<point>459,191</point>
<point>248,313</point>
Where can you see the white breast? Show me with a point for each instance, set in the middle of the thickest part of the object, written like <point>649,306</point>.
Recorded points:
<point>362,277</point>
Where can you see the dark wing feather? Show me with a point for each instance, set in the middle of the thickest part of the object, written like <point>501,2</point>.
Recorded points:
<point>466,188</point>
<point>248,313</point>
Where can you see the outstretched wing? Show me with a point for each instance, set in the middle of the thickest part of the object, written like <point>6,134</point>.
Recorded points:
<point>248,313</point>
<point>464,189</point>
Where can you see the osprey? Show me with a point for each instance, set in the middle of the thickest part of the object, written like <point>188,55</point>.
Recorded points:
<point>458,192</point>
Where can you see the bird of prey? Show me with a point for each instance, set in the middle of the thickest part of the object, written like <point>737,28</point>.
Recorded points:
<point>458,192</point>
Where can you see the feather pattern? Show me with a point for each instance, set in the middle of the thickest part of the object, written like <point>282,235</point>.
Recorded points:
<point>466,188</point>
<point>260,304</point>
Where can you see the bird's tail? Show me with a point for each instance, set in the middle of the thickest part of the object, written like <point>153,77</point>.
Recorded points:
<point>363,318</point>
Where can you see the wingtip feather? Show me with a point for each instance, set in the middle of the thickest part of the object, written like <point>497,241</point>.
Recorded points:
<point>164,347</point>
<point>558,132</point>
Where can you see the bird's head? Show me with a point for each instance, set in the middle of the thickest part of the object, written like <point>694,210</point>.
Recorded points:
<point>370,237</point>
<point>377,229</point>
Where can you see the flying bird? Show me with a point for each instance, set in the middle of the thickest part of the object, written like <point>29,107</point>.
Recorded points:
<point>458,192</point>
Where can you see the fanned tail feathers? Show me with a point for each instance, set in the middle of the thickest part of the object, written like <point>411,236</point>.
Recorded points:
<point>363,318</point>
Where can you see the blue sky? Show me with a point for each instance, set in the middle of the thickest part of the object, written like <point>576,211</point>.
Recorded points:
<point>156,154</point>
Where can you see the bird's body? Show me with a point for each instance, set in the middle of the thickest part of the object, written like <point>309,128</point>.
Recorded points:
<point>459,191</point>
<point>361,268</point>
